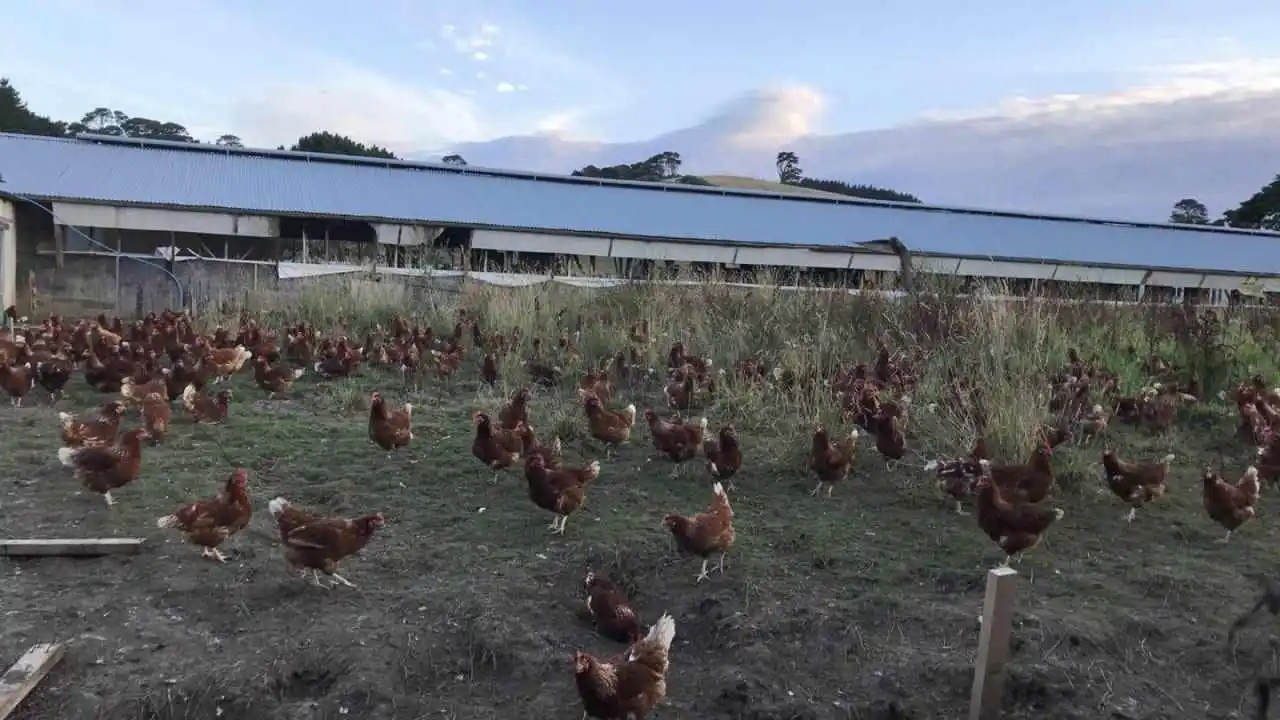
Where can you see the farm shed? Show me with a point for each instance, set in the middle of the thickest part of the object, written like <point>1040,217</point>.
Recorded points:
<point>156,199</point>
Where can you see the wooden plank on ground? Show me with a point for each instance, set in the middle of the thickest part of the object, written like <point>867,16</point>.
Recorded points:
<point>84,547</point>
<point>993,644</point>
<point>20,679</point>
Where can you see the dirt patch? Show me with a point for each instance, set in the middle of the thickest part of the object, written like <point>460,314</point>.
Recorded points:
<point>860,606</point>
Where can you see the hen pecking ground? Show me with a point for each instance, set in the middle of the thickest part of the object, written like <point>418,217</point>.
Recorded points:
<point>863,605</point>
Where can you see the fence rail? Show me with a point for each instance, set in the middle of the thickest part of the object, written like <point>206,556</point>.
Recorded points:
<point>95,280</point>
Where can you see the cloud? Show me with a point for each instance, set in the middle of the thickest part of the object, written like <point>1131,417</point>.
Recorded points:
<point>409,117</point>
<point>505,87</point>
<point>472,43</point>
<point>1204,131</point>
<point>522,87</point>
<point>481,75</point>
<point>479,56</point>
<point>769,117</point>
<point>1157,85</point>
<point>446,71</point>
<point>448,30</point>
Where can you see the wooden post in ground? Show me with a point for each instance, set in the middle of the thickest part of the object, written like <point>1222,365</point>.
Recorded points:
<point>993,645</point>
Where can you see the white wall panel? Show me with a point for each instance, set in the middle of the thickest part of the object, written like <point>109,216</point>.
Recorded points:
<point>183,221</point>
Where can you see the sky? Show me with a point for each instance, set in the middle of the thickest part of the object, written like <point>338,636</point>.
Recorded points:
<point>425,75</point>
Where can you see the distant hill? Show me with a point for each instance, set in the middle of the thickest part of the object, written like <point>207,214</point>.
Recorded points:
<point>737,182</point>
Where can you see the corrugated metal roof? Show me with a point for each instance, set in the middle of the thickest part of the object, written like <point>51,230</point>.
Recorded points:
<point>210,177</point>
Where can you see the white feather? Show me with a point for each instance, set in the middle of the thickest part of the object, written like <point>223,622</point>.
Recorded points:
<point>67,456</point>
<point>276,506</point>
<point>662,633</point>
<point>299,373</point>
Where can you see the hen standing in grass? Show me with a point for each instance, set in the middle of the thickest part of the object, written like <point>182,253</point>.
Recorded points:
<point>560,491</point>
<point>203,408</point>
<point>630,687</point>
<point>707,533</point>
<point>609,610</point>
<point>52,374</point>
<point>317,544</point>
<point>724,456</point>
<point>209,522</point>
<point>17,381</point>
<point>1015,526</point>
<point>389,429</point>
<point>102,468</point>
<point>1231,505</point>
<point>1135,483</point>
<point>495,447</point>
<point>830,461</point>
<point>155,416</point>
<point>99,431</point>
<point>608,426</point>
<point>274,379</point>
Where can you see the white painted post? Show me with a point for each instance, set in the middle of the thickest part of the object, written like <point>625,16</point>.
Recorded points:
<point>993,644</point>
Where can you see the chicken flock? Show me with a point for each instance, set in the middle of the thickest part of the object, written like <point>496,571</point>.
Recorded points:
<point>149,364</point>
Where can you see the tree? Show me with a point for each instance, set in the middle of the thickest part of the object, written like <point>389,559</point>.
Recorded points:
<point>866,192</point>
<point>146,128</point>
<point>663,167</point>
<point>1189,211</point>
<point>667,164</point>
<point>788,164</point>
<point>229,141</point>
<point>334,144</point>
<point>100,121</point>
<point>105,121</point>
<point>454,159</point>
<point>1258,210</point>
<point>16,117</point>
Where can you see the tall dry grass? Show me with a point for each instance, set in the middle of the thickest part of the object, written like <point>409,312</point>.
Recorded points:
<point>1008,348</point>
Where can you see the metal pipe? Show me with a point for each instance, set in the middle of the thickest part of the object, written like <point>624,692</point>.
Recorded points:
<point>177,283</point>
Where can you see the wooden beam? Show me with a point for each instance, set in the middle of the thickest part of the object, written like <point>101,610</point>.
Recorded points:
<point>993,644</point>
<point>70,546</point>
<point>20,679</point>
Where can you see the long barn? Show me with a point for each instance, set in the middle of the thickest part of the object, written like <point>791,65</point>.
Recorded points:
<point>99,196</point>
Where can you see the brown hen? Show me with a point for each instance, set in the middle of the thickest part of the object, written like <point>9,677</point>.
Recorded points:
<point>102,468</point>
<point>830,461</point>
<point>707,533</point>
<point>209,522</point>
<point>317,544</point>
<point>1231,505</point>
<point>631,686</point>
<point>1135,483</point>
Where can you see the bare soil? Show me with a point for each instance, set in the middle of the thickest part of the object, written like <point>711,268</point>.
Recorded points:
<point>864,605</point>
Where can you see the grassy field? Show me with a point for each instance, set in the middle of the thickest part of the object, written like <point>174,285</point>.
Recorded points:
<point>863,605</point>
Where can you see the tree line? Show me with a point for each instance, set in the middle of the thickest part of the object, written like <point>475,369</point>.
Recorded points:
<point>1260,211</point>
